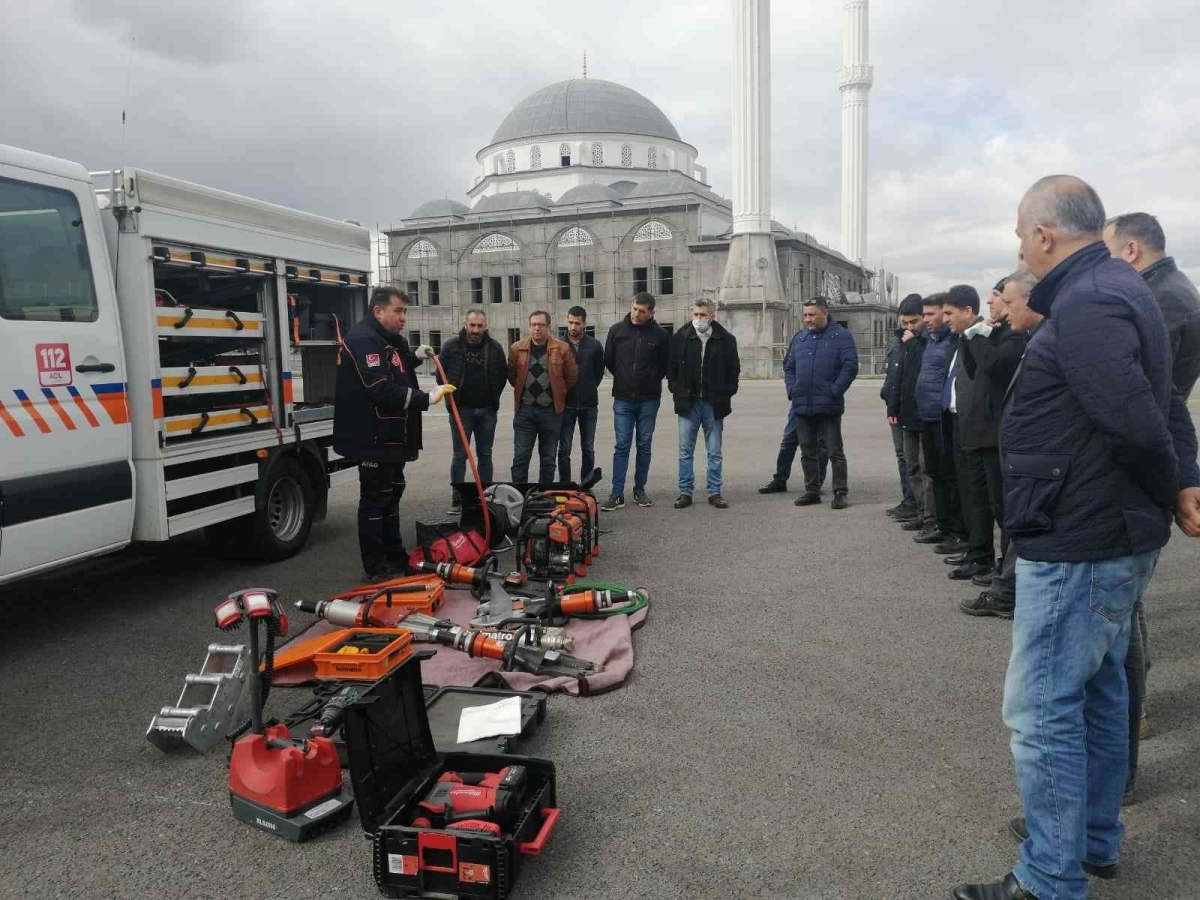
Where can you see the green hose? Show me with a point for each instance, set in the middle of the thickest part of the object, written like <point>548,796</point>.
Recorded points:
<point>641,602</point>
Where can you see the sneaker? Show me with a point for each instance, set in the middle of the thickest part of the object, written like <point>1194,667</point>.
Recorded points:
<point>683,501</point>
<point>839,501</point>
<point>773,487</point>
<point>987,604</point>
<point>807,500</point>
<point>614,501</point>
<point>640,498</point>
<point>455,507</point>
<point>718,501</point>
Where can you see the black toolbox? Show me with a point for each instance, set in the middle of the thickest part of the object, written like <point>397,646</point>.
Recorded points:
<point>393,764</point>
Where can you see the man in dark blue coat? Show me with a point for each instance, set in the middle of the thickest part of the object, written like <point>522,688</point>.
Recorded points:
<point>1098,448</point>
<point>820,366</point>
<point>377,423</point>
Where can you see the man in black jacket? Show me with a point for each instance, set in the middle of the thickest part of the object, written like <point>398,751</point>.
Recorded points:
<point>907,508</point>
<point>636,353</point>
<point>583,400</point>
<point>702,376</point>
<point>377,423</point>
<point>477,366</point>
<point>1098,448</point>
<point>991,352</point>
<point>1138,239</point>
<point>903,413</point>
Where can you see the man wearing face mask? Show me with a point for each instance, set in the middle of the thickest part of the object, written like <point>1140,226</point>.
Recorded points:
<point>702,375</point>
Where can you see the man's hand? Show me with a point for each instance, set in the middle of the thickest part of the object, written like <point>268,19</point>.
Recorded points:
<point>979,327</point>
<point>439,392</point>
<point>893,420</point>
<point>425,352</point>
<point>1187,511</point>
<point>906,337</point>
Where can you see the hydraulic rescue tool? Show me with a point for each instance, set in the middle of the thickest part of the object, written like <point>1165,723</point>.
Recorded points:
<point>291,788</point>
<point>474,801</point>
<point>211,704</point>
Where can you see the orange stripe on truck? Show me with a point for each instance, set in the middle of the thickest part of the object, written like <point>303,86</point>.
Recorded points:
<point>8,420</point>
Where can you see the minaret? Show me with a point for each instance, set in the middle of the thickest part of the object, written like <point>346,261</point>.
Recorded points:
<point>854,80</point>
<point>751,289</point>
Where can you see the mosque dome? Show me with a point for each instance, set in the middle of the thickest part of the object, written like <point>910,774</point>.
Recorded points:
<point>584,105</point>
<point>588,193</point>
<point>439,208</point>
<point>511,200</point>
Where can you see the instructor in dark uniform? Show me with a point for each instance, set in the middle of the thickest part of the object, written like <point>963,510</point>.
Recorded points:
<point>377,422</point>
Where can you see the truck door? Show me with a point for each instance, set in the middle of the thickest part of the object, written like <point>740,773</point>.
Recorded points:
<point>66,480</point>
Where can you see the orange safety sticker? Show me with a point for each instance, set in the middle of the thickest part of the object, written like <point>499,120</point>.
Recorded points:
<point>474,873</point>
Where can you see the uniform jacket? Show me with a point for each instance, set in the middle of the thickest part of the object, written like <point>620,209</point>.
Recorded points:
<point>819,368</point>
<point>715,378</point>
<point>378,406</point>
<point>559,359</point>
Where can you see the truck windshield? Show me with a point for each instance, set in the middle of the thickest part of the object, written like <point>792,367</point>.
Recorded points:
<point>45,274</point>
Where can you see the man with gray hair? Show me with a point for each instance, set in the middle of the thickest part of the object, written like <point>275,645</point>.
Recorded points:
<point>1097,449</point>
<point>702,375</point>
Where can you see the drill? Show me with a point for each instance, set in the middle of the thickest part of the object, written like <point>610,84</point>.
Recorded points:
<point>473,799</point>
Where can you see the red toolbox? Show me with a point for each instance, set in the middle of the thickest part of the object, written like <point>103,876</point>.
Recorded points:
<point>395,771</point>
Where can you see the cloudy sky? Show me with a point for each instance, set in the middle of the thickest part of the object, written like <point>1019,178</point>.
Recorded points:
<point>366,109</point>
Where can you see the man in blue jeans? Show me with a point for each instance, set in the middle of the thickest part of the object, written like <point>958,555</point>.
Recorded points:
<point>541,370</point>
<point>1097,448</point>
<point>702,376</point>
<point>583,400</point>
<point>636,353</point>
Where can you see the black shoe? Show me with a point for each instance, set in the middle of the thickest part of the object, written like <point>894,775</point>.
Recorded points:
<point>1019,829</point>
<point>908,514</point>
<point>839,501</point>
<point>914,525</point>
<point>967,571</point>
<point>807,500</point>
<point>903,510</point>
<point>929,537</point>
<point>987,604</point>
<point>640,498</point>
<point>455,507</point>
<point>952,544</point>
<point>773,487</point>
<point>957,559</point>
<point>683,501</point>
<point>718,501</point>
<point>614,501</point>
<point>386,572</point>
<point>1008,889</point>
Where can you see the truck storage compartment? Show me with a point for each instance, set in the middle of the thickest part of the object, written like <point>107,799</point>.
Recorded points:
<point>319,302</point>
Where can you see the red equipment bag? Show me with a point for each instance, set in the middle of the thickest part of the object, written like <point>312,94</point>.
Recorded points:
<point>448,542</point>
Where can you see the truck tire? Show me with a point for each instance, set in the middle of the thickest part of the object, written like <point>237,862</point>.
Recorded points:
<point>281,527</point>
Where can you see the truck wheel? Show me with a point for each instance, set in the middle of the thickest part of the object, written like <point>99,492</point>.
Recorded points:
<point>281,527</point>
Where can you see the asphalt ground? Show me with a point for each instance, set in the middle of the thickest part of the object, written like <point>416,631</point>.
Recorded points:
<point>810,716</point>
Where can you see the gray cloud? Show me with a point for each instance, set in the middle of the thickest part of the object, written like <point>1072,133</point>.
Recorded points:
<point>365,110</point>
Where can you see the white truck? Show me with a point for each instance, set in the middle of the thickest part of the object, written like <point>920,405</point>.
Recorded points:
<point>146,331</point>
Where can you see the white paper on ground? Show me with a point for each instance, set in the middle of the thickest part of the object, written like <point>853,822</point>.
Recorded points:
<point>501,717</point>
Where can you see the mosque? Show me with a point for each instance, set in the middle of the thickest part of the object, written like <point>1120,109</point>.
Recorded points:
<point>586,195</point>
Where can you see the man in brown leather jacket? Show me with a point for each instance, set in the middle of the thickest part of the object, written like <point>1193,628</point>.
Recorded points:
<point>541,370</point>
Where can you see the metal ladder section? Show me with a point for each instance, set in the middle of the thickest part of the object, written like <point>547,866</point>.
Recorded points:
<point>212,703</point>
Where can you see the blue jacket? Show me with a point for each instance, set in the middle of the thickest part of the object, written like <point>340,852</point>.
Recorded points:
<point>1095,441</point>
<point>935,366</point>
<point>818,370</point>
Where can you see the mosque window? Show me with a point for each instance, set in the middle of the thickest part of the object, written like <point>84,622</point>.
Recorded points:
<point>510,161</point>
<point>535,157</point>
<point>575,237</point>
<point>652,158</point>
<point>652,231</point>
<point>495,242</point>
<point>564,154</point>
<point>626,155</point>
<point>597,154</point>
<point>422,249</point>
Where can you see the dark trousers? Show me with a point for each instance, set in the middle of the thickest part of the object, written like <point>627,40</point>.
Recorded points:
<point>989,458</point>
<point>976,504</point>
<point>939,464</point>
<point>586,419</point>
<point>787,453</point>
<point>480,423</point>
<point>380,487</point>
<point>541,424</point>
<point>810,430</point>
<point>906,491</point>
<point>918,477</point>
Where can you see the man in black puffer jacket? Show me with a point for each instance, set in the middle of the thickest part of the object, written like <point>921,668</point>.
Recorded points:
<point>377,423</point>
<point>904,413</point>
<point>703,377</point>
<point>477,366</point>
<point>1098,448</point>
<point>909,506</point>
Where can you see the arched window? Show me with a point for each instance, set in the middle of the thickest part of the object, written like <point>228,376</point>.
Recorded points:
<point>575,237</point>
<point>652,158</point>
<point>653,230</point>
<point>422,249</point>
<point>535,157</point>
<point>597,154</point>
<point>494,243</point>
<point>510,161</point>
<point>626,155</point>
<point>564,154</point>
